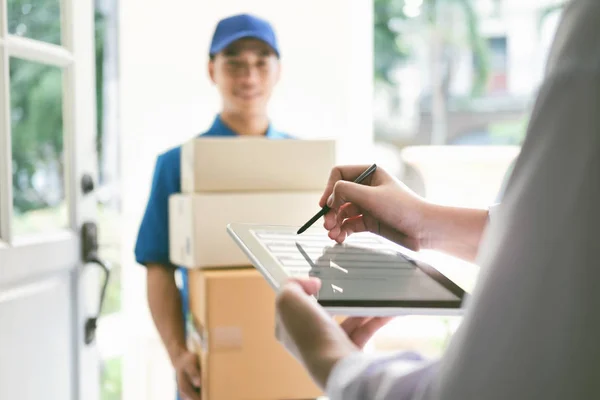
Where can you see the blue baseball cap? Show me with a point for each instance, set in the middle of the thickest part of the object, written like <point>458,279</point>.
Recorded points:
<point>242,26</point>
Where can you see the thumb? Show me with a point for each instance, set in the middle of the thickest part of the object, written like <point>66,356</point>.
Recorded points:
<point>298,311</point>
<point>348,192</point>
<point>310,285</point>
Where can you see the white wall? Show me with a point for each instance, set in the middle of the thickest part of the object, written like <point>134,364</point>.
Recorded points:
<point>166,98</point>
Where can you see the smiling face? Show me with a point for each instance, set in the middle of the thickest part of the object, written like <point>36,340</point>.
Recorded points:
<point>245,74</point>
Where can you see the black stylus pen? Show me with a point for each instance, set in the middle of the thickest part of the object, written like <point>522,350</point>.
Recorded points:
<point>325,209</point>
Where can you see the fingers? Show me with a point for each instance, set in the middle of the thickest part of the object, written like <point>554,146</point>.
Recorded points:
<point>334,218</point>
<point>349,192</point>
<point>329,220</point>
<point>187,390</point>
<point>348,210</point>
<point>361,224</point>
<point>348,201</point>
<point>347,228</point>
<point>361,329</point>
<point>361,335</point>
<point>346,173</point>
<point>340,231</point>
<point>188,377</point>
<point>351,323</point>
<point>192,370</point>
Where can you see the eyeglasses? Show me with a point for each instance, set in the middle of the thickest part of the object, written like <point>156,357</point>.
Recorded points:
<point>242,68</point>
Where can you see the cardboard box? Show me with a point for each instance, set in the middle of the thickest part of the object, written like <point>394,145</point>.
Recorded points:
<point>234,314</point>
<point>198,235</point>
<point>244,164</point>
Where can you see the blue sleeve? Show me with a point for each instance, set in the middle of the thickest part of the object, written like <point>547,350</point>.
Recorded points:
<point>152,244</point>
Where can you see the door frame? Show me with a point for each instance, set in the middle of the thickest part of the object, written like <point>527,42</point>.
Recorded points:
<point>28,262</point>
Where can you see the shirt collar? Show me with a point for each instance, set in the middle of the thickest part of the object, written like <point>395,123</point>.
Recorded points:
<point>218,128</point>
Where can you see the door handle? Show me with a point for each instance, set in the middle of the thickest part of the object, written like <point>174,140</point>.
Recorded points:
<point>87,184</point>
<point>89,251</point>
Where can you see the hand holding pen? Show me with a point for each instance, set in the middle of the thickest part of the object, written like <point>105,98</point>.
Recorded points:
<point>360,199</point>
<point>326,208</point>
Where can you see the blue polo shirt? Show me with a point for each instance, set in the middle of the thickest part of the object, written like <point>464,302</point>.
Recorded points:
<point>152,244</point>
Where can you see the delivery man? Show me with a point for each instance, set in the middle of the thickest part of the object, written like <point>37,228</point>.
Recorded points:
<point>244,66</point>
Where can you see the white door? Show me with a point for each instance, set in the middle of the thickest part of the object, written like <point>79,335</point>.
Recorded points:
<point>47,169</point>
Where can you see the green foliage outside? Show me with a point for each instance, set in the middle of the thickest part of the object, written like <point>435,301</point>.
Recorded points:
<point>37,130</point>
<point>38,145</point>
<point>392,49</point>
<point>111,379</point>
<point>36,104</point>
<point>509,133</point>
<point>389,48</point>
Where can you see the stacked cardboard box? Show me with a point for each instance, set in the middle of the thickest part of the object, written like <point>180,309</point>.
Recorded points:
<point>250,180</point>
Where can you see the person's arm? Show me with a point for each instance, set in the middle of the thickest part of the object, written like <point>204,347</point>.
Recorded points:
<point>454,230</point>
<point>362,376</point>
<point>152,251</point>
<point>165,305</point>
<point>164,298</point>
<point>389,208</point>
<point>531,330</point>
<point>164,301</point>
